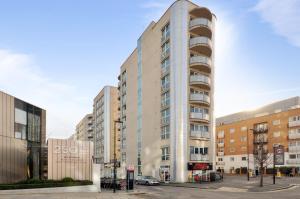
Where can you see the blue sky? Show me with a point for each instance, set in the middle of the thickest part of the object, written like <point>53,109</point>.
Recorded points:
<point>58,54</point>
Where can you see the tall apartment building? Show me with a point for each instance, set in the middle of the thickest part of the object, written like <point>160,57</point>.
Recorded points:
<point>167,95</point>
<point>277,123</point>
<point>105,112</point>
<point>84,129</point>
<point>22,140</point>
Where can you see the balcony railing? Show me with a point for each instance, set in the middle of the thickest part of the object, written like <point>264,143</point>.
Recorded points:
<point>200,79</point>
<point>220,144</point>
<point>165,37</point>
<point>294,135</point>
<point>200,60</point>
<point>220,153</point>
<point>165,121</point>
<point>220,163</point>
<point>260,140</point>
<point>200,22</point>
<point>165,70</point>
<point>256,151</point>
<point>165,87</point>
<point>199,157</point>
<point>293,161</point>
<point>294,148</point>
<point>200,134</point>
<point>201,116</point>
<point>200,97</point>
<point>200,41</point>
<point>165,54</point>
<point>294,123</point>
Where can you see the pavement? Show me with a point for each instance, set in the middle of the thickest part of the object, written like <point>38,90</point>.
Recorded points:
<point>233,187</point>
<point>240,184</point>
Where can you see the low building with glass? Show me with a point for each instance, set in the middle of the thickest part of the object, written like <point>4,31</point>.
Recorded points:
<point>22,140</point>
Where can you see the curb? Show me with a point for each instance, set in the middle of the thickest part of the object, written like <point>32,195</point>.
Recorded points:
<point>191,187</point>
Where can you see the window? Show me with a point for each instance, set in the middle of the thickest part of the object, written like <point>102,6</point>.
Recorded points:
<point>292,156</point>
<point>221,141</point>
<point>195,109</point>
<point>199,127</point>
<point>243,138</point>
<point>220,159</point>
<point>221,134</point>
<point>165,116</point>
<point>244,158</point>
<point>166,48</point>
<point>231,140</point>
<point>123,157</point>
<point>261,127</point>
<point>165,132</point>
<point>165,31</point>
<point>165,82</point>
<point>165,99</point>
<point>199,150</point>
<point>231,149</point>
<point>165,65</point>
<point>232,159</point>
<point>276,134</point>
<point>244,128</point>
<point>294,118</point>
<point>276,122</point>
<point>165,153</point>
<point>232,130</point>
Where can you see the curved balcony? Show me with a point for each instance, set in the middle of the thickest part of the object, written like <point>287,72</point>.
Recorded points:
<point>200,134</point>
<point>201,45</point>
<point>199,157</point>
<point>199,98</point>
<point>201,63</point>
<point>201,26</point>
<point>201,81</point>
<point>200,116</point>
<point>201,12</point>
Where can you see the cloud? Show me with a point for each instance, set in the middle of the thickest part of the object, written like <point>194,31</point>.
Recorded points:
<point>154,9</point>
<point>20,76</point>
<point>283,16</point>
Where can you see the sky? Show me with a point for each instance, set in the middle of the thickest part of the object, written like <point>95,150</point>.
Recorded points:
<point>58,54</point>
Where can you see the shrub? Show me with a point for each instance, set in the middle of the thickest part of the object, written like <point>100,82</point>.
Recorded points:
<point>67,179</point>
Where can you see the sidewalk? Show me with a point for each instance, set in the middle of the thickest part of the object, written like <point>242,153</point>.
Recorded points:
<point>240,184</point>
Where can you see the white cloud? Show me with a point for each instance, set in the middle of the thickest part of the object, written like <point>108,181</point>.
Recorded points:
<point>21,77</point>
<point>284,17</point>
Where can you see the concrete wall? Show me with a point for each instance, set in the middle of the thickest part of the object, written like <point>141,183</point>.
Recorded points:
<point>68,158</point>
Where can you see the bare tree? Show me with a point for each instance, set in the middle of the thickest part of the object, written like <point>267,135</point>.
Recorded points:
<point>262,157</point>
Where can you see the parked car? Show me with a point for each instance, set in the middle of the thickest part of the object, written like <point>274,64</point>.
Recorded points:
<point>146,180</point>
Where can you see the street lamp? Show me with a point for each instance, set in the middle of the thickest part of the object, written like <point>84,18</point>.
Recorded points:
<point>248,174</point>
<point>115,158</point>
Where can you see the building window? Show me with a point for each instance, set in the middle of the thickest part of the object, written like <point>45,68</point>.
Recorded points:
<point>165,82</point>
<point>293,156</point>
<point>165,65</point>
<point>165,31</point>
<point>244,128</point>
<point>232,159</point>
<point>231,140</point>
<point>243,138</point>
<point>220,159</point>
<point>276,134</point>
<point>166,48</point>
<point>199,150</point>
<point>221,134</point>
<point>276,122</point>
<point>244,158</point>
<point>294,118</point>
<point>165,99</point>
<point>261,126</point>
<point>232,130</point>
<point>195,109</point>
<point>165,116</point>
<point>165,154</point>
<point>165,132</point>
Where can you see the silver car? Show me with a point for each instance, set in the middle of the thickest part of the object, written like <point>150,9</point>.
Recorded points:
<point>146,180</point>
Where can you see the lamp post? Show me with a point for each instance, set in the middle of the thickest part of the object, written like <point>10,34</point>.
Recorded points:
<point>115,158</point>
<point>248,163</point>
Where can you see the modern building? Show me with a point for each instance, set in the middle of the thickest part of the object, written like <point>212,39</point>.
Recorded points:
<point>84,129</point>
<point>241,134</point>
<point>105,114</point>
<point>167,96</point>
<point>22,140</point>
